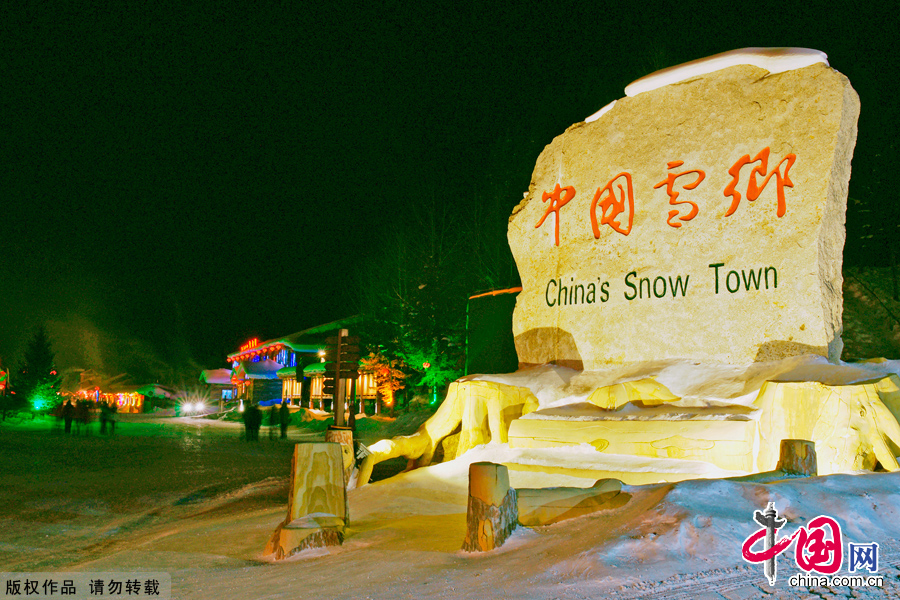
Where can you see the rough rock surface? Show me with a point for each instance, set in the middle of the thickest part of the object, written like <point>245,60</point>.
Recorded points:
<point>621,270</point>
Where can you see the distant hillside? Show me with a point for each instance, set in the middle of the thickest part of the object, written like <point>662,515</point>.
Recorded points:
<point>871,315</point>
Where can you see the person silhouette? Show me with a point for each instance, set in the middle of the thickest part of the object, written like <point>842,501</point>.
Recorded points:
<point>252,421</point>
<point>68,414</point>
<point>285,417</point>
<point>274,420</point>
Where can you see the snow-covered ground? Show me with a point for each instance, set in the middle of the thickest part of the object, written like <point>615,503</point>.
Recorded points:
<point>197,502</point>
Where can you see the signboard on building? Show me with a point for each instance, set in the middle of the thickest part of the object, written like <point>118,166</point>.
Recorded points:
<point>250,344</point>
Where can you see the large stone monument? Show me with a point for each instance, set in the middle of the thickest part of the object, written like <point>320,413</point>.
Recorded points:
<point>689,235</point>
<point>700,217</point>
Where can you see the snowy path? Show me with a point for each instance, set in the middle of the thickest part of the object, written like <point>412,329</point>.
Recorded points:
<point>746,582</point>
<point>76,497</point>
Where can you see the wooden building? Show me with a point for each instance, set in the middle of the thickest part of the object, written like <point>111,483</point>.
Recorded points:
<point>127,399</point>
<point>219,386</point>
<point>291,368</point>
<point>314,375</point>
<point>255,380</point>
<point>97,389</point>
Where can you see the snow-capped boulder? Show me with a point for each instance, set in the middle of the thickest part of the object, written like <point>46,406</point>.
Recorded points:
<point>697,219</point>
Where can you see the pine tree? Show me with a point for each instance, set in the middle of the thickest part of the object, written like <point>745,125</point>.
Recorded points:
<point>38,382</point>
<point>415,297</point>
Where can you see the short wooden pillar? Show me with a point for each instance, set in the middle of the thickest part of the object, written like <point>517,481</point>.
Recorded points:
<point>317,503</point>
<point>798,457</point>
<point>491,515</point>
<point>344,437</point>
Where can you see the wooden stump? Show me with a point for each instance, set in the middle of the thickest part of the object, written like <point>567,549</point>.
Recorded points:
<point>317,504</point>
<point>798,457</point>
<point>491,514</point>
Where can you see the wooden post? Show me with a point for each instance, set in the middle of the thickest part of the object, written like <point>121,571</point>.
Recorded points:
<point>798,457</point>
<point>344,437</point>
<point>491,514</point>
<point>338,382</point>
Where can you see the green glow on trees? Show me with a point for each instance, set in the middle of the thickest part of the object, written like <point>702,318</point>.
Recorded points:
<point>39,381</point>
<point>42,399</point>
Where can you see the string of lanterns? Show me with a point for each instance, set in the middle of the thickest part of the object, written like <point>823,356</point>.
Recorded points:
<point>268,351</point>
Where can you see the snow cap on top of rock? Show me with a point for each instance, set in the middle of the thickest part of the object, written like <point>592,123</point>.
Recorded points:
<point>774,60</point>
<point>600,112</point>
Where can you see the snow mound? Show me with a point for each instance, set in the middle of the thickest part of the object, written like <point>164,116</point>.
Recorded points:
<point>697,384</point>
<point>700,524</point>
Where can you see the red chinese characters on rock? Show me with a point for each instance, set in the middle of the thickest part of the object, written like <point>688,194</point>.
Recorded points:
<point>782,180</point>
<point>612,206</point>
<point>558,198</point>
<point>669,182</point>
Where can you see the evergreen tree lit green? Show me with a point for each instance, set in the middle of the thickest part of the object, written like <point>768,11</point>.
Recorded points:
<point>38,382</point>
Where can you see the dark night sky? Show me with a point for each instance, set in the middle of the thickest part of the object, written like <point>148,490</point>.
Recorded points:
<point>176,181</point>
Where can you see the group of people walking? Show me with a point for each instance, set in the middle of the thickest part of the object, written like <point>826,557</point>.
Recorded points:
<point>278,417</point>
<point>79,413</point>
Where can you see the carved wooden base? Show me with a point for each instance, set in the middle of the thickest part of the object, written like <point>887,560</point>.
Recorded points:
<point>488,526</point>
<point>288,542</point>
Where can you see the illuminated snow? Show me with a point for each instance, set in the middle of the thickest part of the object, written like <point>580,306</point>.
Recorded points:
<point>670,540</point>
<point>697,384</point>
<point>774,60</point>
